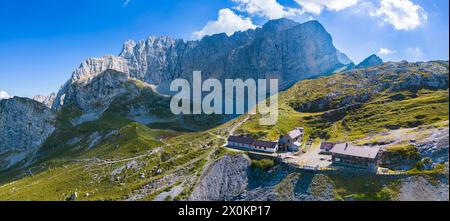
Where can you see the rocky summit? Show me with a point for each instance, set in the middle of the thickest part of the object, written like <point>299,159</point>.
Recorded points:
<point>46,100</point>
<point>372,60</point>
<point>281,49</point>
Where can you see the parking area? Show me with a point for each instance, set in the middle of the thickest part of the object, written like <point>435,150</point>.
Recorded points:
<point>311,159</point>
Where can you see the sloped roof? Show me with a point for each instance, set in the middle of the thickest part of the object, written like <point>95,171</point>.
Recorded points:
<point>295,133</point>
<point>357,151</point>
<point>241,139</point>
<point>326,145</point>
<point>266,144</point>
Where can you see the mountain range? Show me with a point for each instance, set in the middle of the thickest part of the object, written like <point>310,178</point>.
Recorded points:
<point>109,133</point>
<point>141,75</point>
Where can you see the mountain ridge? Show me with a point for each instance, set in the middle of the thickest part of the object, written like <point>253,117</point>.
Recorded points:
<point>372,60</point>
<point>282,48</point>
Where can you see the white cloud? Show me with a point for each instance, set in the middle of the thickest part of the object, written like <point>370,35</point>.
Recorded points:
<point>228,22</point>
<point>4,95</point>
<point>270,9</point>
<point>386,51</point>
<point>317,6</point>
<point>402,14</point>
<point>364,8</point>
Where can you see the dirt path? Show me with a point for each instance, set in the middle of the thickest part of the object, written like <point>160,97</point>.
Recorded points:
<point>232,130</point>
<point>105,162</point>
<point>235,127</point>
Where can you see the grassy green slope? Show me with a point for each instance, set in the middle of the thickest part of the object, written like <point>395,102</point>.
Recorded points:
<point>112,158</point>
<point>118,167</point>
<point>126,161</point>
<point>352,105</point>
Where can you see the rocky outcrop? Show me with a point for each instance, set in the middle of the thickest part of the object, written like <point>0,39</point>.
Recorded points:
<point>436,146</point>
<point>371,61</point>
<point>92,67</point>
<point>128,97</point>
<point>281,49</point>
<point>46,100</point>
<point>420,188</point>
<point>360,85</point>
<point>224,180</point>
<point>24,125</point>
<point>233,178</point>
<point>87,72</point>
<point>95,96</point>
<point>421,148</point>
<point>153,60</point>
<point>404,158</point>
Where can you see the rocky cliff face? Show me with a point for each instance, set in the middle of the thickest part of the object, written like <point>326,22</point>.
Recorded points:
<point>233,178</point>
<point>359,85</point>
<point>24,125</point>
<point>281,49</point>
<point>92,67</point>
<point>46,100</point>
<point>420,188</point>
<point>88,71</point>
<point>224,180</point>
<point>436,146</point>
<point>93,97</point>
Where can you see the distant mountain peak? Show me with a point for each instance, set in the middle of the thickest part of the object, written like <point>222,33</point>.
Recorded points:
<point>4,95</point>
<point>343,58</point>
<point>313,23</point>
<point>372,60</point>
<point>280,24</point>
<point>47,100</point>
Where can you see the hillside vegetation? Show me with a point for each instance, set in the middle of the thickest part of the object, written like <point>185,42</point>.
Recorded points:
<point>116,158</point>
<point>351,105</point>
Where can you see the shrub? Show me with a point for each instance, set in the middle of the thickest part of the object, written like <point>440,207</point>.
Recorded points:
<point>408,151</point>
<point>263,164</point>
<point>258,135</point>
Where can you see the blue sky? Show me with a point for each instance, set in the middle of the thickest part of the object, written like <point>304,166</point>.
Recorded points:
<point>42,42</point>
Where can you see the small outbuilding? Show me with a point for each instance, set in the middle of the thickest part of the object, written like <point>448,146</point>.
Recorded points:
<point>292,140</point>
